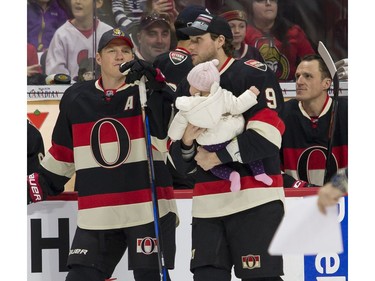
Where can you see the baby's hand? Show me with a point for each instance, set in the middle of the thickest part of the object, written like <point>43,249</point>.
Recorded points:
<point>254,90</point>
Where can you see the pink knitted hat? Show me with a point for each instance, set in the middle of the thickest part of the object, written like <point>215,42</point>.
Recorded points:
<point>203,75</point>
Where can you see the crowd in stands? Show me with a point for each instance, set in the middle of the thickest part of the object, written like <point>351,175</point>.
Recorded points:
<point>65,35</point>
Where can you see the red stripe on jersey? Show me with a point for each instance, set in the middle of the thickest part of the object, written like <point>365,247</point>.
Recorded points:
<point>169,143</point>
<point>123,198</point>
<point>223,186</point>
<point>315,159</point>
<point>271,117</point>
<point>61,153</point>
<point>82,132</point>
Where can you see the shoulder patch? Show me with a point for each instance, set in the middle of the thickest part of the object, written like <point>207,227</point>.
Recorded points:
<point>177,57</point>
<point>256,64</point>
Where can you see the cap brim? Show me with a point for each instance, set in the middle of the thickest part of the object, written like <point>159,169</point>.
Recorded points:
<point>128,41</point>
<point>192,31</point>
<point>156,22</point>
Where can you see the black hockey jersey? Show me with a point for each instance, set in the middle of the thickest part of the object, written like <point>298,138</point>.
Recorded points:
<point>305,142</point>
<point>102,139</point>
<point>260,141</point>
<point>175,65</point>
<point>35,148</point>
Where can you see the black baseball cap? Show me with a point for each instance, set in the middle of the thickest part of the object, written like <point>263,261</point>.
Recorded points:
<point>188,15</point>
<point>112,34</point>
<point>186,18</point>
<point>209,23</point>
<point>150,19</point>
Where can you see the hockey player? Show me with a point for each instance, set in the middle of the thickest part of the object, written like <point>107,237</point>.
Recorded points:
<point>220,112</point>
<point>307,121</point>
<point>175,65</point>
<point>35,148</point>
<point>234,228</point>
<point>99,134</point>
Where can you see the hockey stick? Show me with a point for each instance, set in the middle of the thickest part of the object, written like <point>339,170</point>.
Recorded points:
<point>323,52</point>
<point>150,161</point>
<point>94,37</point>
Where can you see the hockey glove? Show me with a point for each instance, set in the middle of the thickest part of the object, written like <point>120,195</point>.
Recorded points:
<point>301,183</point>
<point>342,68</point>
<point>34,189</point>
<point>290,182</point>
<point>136,68</point>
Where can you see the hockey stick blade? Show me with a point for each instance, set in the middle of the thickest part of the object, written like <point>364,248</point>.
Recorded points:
<point>323,52</point>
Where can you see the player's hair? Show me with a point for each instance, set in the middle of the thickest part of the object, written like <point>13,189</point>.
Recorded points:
<point>322,66</point>
<point>227,47</point>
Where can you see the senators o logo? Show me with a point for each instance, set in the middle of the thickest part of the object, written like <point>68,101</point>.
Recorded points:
<point>251,261</point>
<point>123,142</point>
<point>304,161</point>
<point>147,245</point>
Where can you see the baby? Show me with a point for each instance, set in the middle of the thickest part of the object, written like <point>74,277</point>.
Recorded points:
<point>220,112</point>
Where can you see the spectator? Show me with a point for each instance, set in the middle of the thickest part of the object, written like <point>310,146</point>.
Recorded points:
<point>75,40</point>
<point>33,66</point>
<point>220,112</point>
<point>281,43</point>
<point>99,135</point>
<point>105,13</point>
<point>35,148</point>
<point>307,120</point>
<point>35,75</point>
<point>218,242</point>
<point>237,20</point>
<point>182,4</point>
<point>330,193</point>
<point>167,7</point>
<point>175,65</point>
<point>154,36</point>
<point>34,70</point>
<point>44,17</point>
<point>128,13</point>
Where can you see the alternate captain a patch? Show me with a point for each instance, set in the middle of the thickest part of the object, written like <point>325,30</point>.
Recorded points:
<point>177,57</point>
<point>256,64</point>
